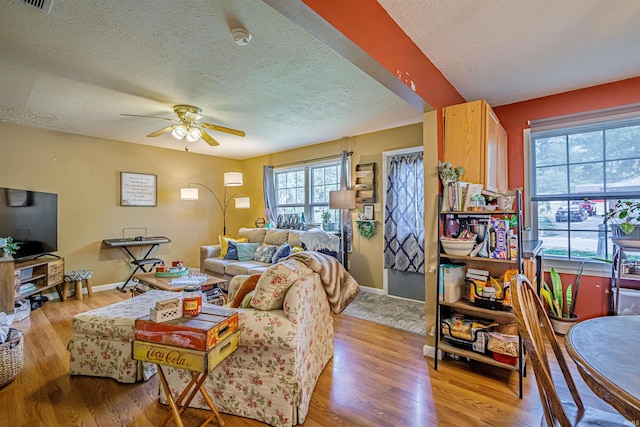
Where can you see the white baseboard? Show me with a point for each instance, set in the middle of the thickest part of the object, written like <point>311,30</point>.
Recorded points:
<point>53,294</point>
<point>430,351</point>
<point>376,291</point>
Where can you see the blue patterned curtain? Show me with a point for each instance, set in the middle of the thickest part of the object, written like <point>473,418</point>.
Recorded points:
<point>404,214</point>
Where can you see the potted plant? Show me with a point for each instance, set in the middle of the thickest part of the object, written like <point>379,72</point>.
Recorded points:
<point>625,218</point>
<point>10,246</point>
<point>448,173</point>
<point>505,199</point>
<point>561,303</point>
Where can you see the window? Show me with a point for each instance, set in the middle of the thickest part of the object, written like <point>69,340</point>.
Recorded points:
<point>578,170</point>
<point>305,189</point>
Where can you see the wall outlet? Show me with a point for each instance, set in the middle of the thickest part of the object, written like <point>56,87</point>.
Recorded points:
<point>377,207</point>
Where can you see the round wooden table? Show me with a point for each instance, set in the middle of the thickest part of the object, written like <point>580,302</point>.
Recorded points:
<point>607,350</point>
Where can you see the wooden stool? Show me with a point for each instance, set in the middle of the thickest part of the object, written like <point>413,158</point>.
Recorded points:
<point>77,276</point>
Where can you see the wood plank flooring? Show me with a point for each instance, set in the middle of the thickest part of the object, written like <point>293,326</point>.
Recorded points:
<point>377,377</point>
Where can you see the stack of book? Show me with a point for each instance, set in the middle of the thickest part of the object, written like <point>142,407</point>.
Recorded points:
<point>27,287</point>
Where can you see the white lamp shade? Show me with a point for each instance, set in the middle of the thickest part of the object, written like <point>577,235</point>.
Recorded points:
<point>342,199</point>
<point>189,193</point>
<point>180,132</point>
<point>232,179</point>
<point>243,203</point>
<point>194,134</point>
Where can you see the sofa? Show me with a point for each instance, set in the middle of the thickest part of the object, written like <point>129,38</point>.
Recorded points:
<point>212,257</point>
<point>273,373</point>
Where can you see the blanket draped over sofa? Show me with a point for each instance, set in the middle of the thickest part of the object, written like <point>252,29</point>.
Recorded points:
<point>340,286</point>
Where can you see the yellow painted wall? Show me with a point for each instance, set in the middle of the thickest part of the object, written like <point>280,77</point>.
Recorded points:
<point>366,258</point>
<point>85,173</point>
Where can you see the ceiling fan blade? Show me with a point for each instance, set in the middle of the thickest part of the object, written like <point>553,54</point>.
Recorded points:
<point>208,139</point>
<point>222,129</point>
<point>150,117</point>
<point>161,131</point>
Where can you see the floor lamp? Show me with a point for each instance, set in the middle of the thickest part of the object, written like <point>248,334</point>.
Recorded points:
<point>231,179</point>
<point>342,199</point>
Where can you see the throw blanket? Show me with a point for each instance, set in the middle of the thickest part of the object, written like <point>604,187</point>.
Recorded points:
<point>340,286</point>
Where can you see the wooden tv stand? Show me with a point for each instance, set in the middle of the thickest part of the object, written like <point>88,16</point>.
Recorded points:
<point>44,273</point>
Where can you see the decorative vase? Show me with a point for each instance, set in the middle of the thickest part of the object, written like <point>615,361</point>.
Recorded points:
<point>505,203</point>
<point>561,325</point>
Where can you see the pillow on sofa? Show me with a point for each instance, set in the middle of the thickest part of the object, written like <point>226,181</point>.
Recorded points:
<point>246,302</point>
<point>232,250</point>
<point>265,253</point>
<point>246,251</point>
<point>247,286</point>
<point>224,243</point>
<point>274,283</point>
<point>282,252</point>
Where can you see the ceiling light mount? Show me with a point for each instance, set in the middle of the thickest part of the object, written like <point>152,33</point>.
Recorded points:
<point>241,36</point>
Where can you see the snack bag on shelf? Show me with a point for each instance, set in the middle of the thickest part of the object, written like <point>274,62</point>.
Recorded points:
<point>498,238</point>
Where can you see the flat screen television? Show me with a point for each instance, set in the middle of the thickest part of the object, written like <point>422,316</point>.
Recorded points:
<point>31,218</point>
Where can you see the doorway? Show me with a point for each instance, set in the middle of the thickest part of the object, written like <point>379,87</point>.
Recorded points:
<point>396,281</point>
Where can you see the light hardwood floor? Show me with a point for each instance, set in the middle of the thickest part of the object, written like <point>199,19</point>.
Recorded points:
<point>377,377</point>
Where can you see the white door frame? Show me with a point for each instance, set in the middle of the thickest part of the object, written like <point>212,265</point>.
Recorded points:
<point>385,162</point>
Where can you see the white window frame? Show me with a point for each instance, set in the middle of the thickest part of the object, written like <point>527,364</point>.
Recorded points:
<point>563,264</point>
<point>307,167</point>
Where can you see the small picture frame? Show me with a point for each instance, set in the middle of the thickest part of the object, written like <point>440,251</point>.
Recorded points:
<point>138,189</point>
<point>367,212</point>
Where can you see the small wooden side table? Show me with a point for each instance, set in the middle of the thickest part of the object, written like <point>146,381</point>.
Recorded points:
<point>198,363</point>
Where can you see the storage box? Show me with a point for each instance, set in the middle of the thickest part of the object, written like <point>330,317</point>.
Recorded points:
<point>26,273</point>
<point>451,282</point>
<point>182,358</point>
<point>200,332</point>
<point>629,302</point>
<point>499,238</point>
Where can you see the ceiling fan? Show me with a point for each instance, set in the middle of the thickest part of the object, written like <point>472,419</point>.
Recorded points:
<point>187,125</point>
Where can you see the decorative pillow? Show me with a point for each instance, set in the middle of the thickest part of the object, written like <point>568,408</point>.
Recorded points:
<point>247,286</point>
<point>246,250</point>
<point>282,252</point>
<point>265,253</point>
<point>232,250</point>
<point>246,302</point>
<point>224,243</point>
<point>274,283</point>
<point>296,249</point>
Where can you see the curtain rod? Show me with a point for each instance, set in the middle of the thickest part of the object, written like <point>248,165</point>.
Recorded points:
<point>337,156</point>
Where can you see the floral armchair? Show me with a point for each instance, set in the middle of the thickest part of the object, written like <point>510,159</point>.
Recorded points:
<point>282,352</point>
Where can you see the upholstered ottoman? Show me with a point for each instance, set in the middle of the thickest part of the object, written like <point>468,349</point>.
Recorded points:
<point>101,345</point>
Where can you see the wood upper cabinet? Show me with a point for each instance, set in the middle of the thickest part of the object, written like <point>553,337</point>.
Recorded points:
<point>475,140</point>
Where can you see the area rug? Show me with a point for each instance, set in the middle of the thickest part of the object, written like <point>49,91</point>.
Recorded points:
<point>395,312</point>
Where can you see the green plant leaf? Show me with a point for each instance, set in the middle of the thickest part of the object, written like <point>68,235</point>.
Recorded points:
<point>557,288</point>
<point>627,228</point>
<point>547,297</point>
<point>569,296</point>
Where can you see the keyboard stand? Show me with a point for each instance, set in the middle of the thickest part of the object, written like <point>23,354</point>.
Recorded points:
<point>140,263</point>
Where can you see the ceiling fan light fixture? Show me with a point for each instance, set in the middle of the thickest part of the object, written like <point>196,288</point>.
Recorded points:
<point>180,132</point>
<point>194,134</point>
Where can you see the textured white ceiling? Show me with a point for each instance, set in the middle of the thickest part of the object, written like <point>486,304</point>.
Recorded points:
<point>507,51</point>
<point>78,68</point>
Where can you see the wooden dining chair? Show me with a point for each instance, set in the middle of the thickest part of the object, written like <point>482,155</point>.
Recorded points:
<point>533,325</point>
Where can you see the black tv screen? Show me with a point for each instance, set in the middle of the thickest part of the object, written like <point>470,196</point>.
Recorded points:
<point>31,219</point>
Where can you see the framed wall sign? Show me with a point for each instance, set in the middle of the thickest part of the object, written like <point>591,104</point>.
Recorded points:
<point>367,212</point>
<point>138,189</point>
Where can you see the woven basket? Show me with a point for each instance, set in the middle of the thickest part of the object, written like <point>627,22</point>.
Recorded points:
<point>11,357</point>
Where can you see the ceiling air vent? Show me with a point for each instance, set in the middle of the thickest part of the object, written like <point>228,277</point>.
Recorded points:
<point>43,6</point>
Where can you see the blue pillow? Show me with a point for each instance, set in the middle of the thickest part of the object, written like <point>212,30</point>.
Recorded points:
<point>232,251</point>
<point>246,251</point>
<point>282,252</point>
<point>265,253</point>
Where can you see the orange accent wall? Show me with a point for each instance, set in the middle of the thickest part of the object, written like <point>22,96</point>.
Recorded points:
<point>594,295</point>
<point>369,26</point>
